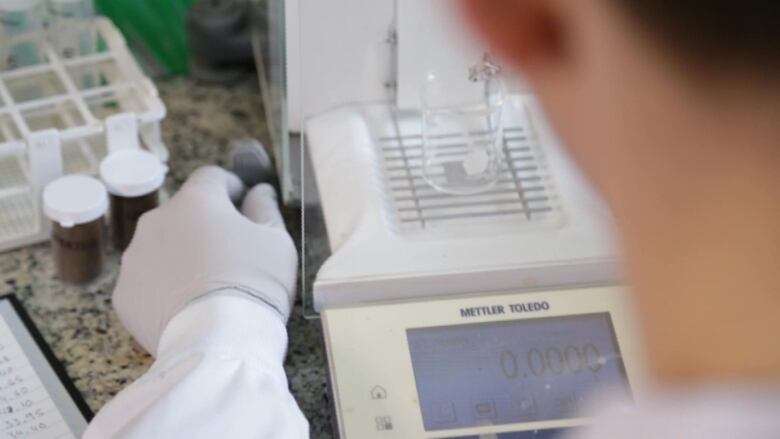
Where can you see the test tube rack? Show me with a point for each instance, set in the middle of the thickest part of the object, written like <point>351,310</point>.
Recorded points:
<point>62,116</point>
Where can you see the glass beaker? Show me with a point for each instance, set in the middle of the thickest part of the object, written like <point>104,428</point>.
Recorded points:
<point>462,131</point>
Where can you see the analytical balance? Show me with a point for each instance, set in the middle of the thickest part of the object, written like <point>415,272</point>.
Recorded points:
<point>491,313</point>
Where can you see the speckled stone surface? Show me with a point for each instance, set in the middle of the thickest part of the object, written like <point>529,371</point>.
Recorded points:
<point>79,323</point>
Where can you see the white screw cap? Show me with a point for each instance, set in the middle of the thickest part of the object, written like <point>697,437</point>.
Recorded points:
<point>132,172</point>
<point>75,199</point>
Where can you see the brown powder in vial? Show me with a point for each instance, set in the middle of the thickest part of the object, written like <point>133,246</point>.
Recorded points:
<point>133,178</point>
<point>125,213</point>
<point>76,204</point>
<point>78,251</point>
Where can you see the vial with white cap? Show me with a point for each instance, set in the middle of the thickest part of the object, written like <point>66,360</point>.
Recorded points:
<point>71,27</point>
<point>21,33</point>
<point>77,204</point>
<point>133,178</point>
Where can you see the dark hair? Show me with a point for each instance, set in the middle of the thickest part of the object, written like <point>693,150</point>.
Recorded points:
<point>714,32</point>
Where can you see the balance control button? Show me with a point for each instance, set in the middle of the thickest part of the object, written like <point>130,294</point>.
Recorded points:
<point>444,412</point>
<point>383,423</point>
<point>485,409</point>
<point>378,392</point>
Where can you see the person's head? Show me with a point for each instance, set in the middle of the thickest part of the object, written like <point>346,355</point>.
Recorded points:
<point>672,107</point>
<point>627,83</point>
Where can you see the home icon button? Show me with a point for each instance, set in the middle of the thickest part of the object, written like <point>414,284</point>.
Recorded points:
<point>378,392</point>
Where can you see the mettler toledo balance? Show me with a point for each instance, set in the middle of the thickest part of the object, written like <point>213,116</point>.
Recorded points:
<point>491,313</point>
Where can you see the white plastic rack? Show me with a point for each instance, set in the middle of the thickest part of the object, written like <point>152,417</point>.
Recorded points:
<point>63,116</point>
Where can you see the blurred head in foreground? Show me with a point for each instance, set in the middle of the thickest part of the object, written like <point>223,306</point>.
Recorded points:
<point>672,108</point>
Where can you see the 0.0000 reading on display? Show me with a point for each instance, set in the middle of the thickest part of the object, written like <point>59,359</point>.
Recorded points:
<point>553,360</point>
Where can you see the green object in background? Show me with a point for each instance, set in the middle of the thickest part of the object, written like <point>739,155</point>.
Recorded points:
<point>155,29</point>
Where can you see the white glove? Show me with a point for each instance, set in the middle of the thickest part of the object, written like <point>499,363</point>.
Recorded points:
<point>198,243</point>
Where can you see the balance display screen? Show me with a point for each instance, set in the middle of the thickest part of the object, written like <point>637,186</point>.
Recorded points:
<point>513,372</point>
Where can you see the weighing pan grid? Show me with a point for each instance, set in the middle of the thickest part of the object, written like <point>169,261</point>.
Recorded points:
<point>522,193</point>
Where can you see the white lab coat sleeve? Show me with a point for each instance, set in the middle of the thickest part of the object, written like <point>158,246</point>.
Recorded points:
<point>218,374</point>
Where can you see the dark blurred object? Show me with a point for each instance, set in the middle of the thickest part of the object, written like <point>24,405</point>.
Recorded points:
<point>219,33</point>
<point>154,29</point>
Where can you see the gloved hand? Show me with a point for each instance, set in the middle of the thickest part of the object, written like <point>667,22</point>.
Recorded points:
<point>198,243</point>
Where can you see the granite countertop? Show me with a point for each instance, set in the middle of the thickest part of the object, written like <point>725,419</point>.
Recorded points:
<point>79,323</point>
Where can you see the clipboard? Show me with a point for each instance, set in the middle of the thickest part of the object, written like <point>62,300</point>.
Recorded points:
<point>37,398</point>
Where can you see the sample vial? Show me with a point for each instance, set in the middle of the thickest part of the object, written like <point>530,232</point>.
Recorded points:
<point>22,33</point>
<point>133,178</point>
<point>77,204</point>
<point>71,27</point>
<point>5,49</point>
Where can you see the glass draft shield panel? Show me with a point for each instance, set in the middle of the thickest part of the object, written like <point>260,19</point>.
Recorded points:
<point>513,372</point>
